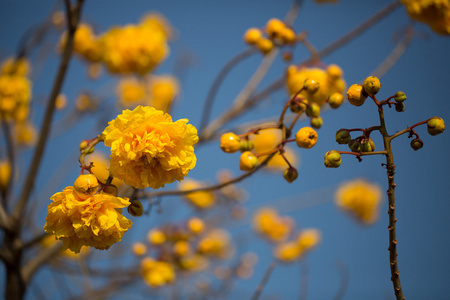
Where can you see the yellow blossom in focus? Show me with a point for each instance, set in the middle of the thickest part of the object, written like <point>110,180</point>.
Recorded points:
<point>287,252</point>
<point>131,92</point>
<point>216,243</point>
<point>17,67</point>
<point>5,174</point>
<point>25,133</point>
<point>95,221</point>
<point>157,273</point>
<point>270,225</point>
<point>360,198</point>
<point>329,83</point>
<point>100,167</point>
<point>139,249</point>
<point>200,199</point>
<point>134,49</point>
<point>162,91</point>
<point>148,149</point>
<point>436,13</point>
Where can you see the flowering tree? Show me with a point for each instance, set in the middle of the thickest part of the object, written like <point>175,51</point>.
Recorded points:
<point>126,182</point>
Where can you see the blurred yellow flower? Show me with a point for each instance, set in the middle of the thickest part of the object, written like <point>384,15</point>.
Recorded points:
<point>148,149</point>
<point>139,249</point>
<point>61,102</point>
<point>101,166</point>
<point>308,239</point>
<point>200,199</point>
<point>96,221</point>
<point>156,237</point>
<point>360,198</point>
<point>270,225</point>
<point>50,240</point>
<point>15,92</point>
<point>131,92</point>
<point>17,67</point>
<point>157,273</point>
<point>195,225</point>
<point>5,174</point>
<point>25,133</point>
<point>216,243</point>
<point>85,43</point>
<point>329,83</point>
<point>157,22</point>
<point>287,252</point>
<point>162,91</point>
<point>194,262</point>
<point>436,13</point>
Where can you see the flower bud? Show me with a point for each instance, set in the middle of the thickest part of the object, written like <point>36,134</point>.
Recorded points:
<point>416,144</point>
<point>336,100</point>
<point>290,174</point>
<point>343,136</point>
<point>230,142</point>
<point>334,72</point>
<point>274,27</point>
<point>298,104</point>
<point>435,126</point>
<point>5,174</point>
<point>252,36</point>
<point>371,85</point>
<point>135,209</point>
<point>246,145</point>
<point>287,36</point>
<point>306,137</point>
<point>355,95</point>
<point>313,110</point>
<point>368,146</point>
<point>264,45</point>
<point>316,122</point>
<point>86,186</point>
<point>110,189</point>
<point>354,145</point>
<point>400,106</point>
<point>248,161</point>
<point>83,146</point>
<point>332,159</point>
<point>399,96</point>
<point>311,86</point>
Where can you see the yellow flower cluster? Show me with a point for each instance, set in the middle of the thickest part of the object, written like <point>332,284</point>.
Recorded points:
<point>330,82</point>
<point>85,43</point>
<point>200,199</point>
<point>15,90</point>
<point>270,225</point>
<point>157,273</point>
<point>148,149</point>
<point>361,199</point>
<point>290,251</point>
<point>216,243</point>
<point>86,219</point>
<point>435,13</point>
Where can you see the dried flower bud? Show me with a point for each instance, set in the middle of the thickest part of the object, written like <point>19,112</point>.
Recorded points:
<point>290,174</point>
<point>416,144</point>
<point>135,209</point>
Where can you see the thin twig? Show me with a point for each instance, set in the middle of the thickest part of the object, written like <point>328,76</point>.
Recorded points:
<point>345,279</point>
<point>33,265</point>
<point>264,281</point>
<point>304,279</point>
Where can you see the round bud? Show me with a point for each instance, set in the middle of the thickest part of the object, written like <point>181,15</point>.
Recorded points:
<point>196,225</point>
<point>316,122</point>
<point>332,159</point>
<point>86,186</point>
<point>311,86</point>
<point>371,85</point>
<point>354,145</point>
<point>343,136</point>
<point>248,161</point>
<point>110,189</point>
<point>83,145</point>
<point>435,126</point>
<point>290,174</point>
<point>252,36</point>
<point>355,95</point>
<point>334,72</point>
<point>230,142</point>
<point>274,27</point>
<point>287,36</point>
<point>368,146</point>
<point>336,100</point>
<point>313,110</point>
<point>264,45</point>
<point>399,96</point>
<point>298,104</point>
<point>400,106</point>
<point>416,144</point>
<point>246,145</point>
<point>306,137</point>
<point>135,209</point>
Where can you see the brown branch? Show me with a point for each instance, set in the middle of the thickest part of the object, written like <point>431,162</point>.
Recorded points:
<point>264,281</point>
<point>345,279</point>
<point>43,256</point>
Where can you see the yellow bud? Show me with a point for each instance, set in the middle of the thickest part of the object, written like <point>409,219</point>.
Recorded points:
<point>156,237</point>
<point>308,238</point>
<point>274,27</point>
<point>306,137</point>
<point>287,35</point>
<point>435,126</point>
<point>86,186</point>
<point>181,248</point>
<point>332,159</point>
<point>371,85</point>
<point>139,249</point>
<point>252,36</point>
<point>248,161</point>
<point>230,142</point>
<point>196,225</point>
<point>335,100</point>
<point>5,174</point>
<point>264,45</point>
<point>355,95</point>
<point>290,174</point>
<point>311,86</point>
<point>334,72</point>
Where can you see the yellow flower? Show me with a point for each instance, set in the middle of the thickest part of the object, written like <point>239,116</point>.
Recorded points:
<point>50,240</point>
<point>133,49</point>
<point>96,221</point>
<point>85,43</point>
<point>195,225</point>
<point>306,137</point>
<point>308,239</point>
<point>157,22</point>
<point>287,252</point>
<point>17,67</point>
<point>157,273</point>
<point>216,243</point>
<point>25,133</point>
<point>193,262</point>
<point>328,80</point>
<point>138,249</point>
<point>61,102</point>
<point>436,13</point>
<point>360,198</point>
<point>131,92</point>
<point>148,149</point>
<point>162,91</point>
<point>5,174</point>
<point>277,163</point>
<point>156,237</point>
<point>268,223</point>
<point>200,199</point>
<point>15,92</point>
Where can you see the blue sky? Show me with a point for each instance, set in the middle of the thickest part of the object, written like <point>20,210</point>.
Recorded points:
<point>210,33</point>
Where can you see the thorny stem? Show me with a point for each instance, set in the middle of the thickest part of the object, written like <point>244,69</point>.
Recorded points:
<point>264,281</point>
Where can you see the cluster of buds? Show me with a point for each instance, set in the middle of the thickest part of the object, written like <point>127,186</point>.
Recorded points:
<point>276,32</point>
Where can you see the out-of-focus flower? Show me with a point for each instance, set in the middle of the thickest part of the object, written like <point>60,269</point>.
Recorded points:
<point>25,133</point>
<point>277,162</point>
<point>5,174</point>
<point>329,82</point>
<point>200,199</point>
<point>85,102</point>
<point>61,102</point>
<point>148,149</point>
<point>435,13</point>
<point>50,240</point>
<point>16,67</point>
<point>85,43</point>
<point>308,239</point>
<point>193,263</point>
<point>361,199</point>
<point>100,167</point>
<point>131,92</point>
<point>139,249</point>
<point>15,94</point>
<point>157,22</point>
<point>196,225</point>
<point>156,237</point>
<point>157,273</point>
<point>94,70</point>
<point>162,91</point>
<point>287,252</point>
<point>215,243</point>
<point>270,225</point>
<point>95,221</point>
